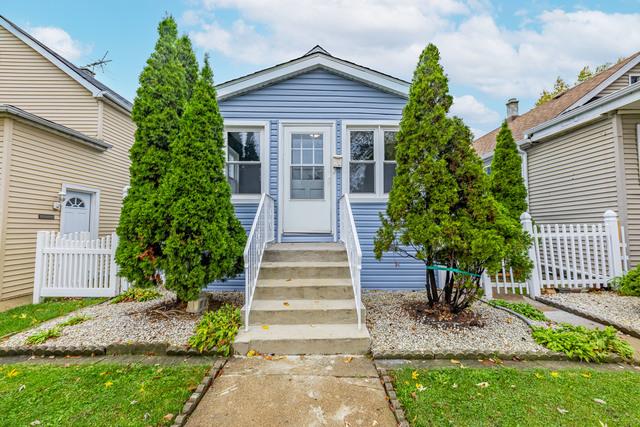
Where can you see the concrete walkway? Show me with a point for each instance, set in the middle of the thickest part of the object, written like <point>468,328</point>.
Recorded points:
<point>295,391</point>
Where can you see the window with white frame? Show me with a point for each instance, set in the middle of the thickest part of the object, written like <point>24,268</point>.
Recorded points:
<point>372,160</point>
<point>244,160</point>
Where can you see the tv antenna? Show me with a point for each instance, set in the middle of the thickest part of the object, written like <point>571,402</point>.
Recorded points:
<point>100,63</point>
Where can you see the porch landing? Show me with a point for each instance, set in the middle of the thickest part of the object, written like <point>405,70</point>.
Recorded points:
<point>304,304</point>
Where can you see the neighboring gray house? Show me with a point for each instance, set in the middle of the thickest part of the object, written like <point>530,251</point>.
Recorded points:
<point>306,132</point>
<point>580,151</point>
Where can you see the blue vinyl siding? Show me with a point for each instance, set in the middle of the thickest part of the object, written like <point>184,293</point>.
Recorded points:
<point>392,271</point>
<point>323,95</point>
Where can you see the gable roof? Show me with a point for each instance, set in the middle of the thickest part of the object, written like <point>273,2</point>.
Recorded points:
<point>315,58</point>
<point>97,88</point>
<point>562,103</point>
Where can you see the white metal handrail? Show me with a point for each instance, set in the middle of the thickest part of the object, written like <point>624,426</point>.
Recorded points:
<point>349,236</point>
<point>262,232</point>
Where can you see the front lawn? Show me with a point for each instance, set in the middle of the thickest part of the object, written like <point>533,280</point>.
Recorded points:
<point>91,395</point>
<point>509,397</point>
<point>26,316</point>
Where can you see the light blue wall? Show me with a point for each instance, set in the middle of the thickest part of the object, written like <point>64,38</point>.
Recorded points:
<point>322,95</point>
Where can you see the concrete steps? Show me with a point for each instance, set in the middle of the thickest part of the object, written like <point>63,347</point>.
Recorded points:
<point>304,304</point>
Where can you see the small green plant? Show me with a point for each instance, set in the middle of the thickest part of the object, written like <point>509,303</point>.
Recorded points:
<point>627,285</point>
<point>136,294</point>
<point>217,330</point>
<point>589,345</point>
<point>527,310</point>
<point>56,331</point>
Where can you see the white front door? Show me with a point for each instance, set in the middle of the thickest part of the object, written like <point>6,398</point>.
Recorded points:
<point>76,212</point>
<point>307,180</point>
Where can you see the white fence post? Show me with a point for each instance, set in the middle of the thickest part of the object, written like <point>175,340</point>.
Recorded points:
<point>41,237</point>
<point>534,279</point>
<point>486,284</point>
<point>613,240</point>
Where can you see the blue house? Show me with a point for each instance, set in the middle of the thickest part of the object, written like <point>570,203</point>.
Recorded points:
<point>310,148</point>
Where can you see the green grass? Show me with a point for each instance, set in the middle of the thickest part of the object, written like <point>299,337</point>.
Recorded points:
<point>523,308</point>
<point>509,397</point>
<point>137,295</point>
<point>94,395</point>
<point>26,316</point>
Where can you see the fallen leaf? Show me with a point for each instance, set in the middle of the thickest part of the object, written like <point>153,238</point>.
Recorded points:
<point>265,327</point>
<point>420,387</point>
<point>406,382</point>
<point>554,374</point>
<point>22,387</point>
<point>252,353</point>
<point>23,316</point>
<point>168,417</point>
<point>267,357</point>
<point>538,376</point>
<point>35,423</point>
<point>455,362</point>
<point>414,375</point>
<point>600,401</point>
<point>286,304</point>
<point>12,373</point>
<point>108,384</point>
<point>586,374</point>
<point>483,384</point>
<point>454,385</point>
<point>133,402</point>
<point>414,395</point>
<point>348,359</point>
<point>562,410</point>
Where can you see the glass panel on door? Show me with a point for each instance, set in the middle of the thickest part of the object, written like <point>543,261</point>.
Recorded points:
<point>307,166</point>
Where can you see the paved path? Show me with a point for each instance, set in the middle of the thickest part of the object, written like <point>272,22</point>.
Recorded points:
<point>295,391</point>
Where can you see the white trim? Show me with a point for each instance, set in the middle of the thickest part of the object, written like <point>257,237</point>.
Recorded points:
<point>251,125</point>
<point>638,142</point>
<point>606,83</point>
<point>584,114</point>
<point>94,221</point>
<point>307,63</point>
<point>378,126</point>
<point>282,124</point>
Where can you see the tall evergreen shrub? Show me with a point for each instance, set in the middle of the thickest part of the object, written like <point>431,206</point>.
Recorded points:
<point>440,210</point>
<point>206,240</point>
<point>156,111</point>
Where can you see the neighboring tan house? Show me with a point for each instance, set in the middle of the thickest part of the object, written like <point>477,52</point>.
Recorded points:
<point>580,151</point>
<point>64,154</point>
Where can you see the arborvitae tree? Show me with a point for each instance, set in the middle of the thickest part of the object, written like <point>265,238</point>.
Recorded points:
<point>189,62</point>
<point>156,111</point>
<point>440,209</point>
<point>507,184</point>
<point>206,240</point>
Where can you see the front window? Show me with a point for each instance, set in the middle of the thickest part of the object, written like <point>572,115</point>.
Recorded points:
<point>244,169</point>
<point>372,160</point>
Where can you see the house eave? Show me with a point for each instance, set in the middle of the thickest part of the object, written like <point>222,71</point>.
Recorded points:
<point>42,123</point>
<point>307,63</point>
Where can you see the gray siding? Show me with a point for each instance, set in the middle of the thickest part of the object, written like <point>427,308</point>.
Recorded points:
<point>322,95</point>
<point>621,82</point>
<point>632,184</point>
<point>572,178</point>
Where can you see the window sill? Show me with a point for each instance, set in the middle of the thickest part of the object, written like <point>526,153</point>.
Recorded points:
<point>245,199</point>
<point>368,198</point>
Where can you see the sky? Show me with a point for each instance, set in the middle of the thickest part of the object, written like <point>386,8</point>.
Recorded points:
<point>491,50</point>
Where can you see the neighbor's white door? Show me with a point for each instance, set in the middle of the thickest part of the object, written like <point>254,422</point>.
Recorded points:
<point>307,180</point>
<point>76,212</point>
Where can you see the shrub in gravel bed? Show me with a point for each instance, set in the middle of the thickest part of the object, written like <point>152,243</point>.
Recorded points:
<point>527,310</point>
<point>217,330</point>
<point>589,345</point>
<point>629,284</point>
<point>137,295</point>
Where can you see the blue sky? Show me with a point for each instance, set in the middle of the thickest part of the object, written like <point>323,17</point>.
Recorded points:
<point>491,50</point>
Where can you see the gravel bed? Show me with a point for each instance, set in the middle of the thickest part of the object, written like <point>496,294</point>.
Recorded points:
<point>394,331</point>
<point>124,323</point>
<point>608,306</point>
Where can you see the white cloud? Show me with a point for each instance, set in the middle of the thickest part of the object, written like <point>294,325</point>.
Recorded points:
<point>61,42</point>
<point>474,111</point>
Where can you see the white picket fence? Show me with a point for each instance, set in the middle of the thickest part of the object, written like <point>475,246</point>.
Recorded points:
<point>566,256</point>
<point>74,265</point>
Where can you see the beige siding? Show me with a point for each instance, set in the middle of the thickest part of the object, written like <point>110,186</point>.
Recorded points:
<point>621,82</point>
<point>40,163</point>
<point>632,183</point>
<point>31,82</point>
<point>572,178</point>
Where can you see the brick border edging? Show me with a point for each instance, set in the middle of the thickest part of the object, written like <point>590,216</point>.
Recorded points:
<point>394,403</point>
<point>475,355</point>
<point>197,395</point>
<point>109,350</point>
<point>594,318</point>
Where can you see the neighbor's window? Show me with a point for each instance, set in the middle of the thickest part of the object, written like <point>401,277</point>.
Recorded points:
<point>243,162</point>
<point>362,166</point>
<point>634,79</point>
<point>389,159</point>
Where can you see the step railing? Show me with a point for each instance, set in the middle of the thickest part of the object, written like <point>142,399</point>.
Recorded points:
<point>262,232</point>
<point>349,236</point>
